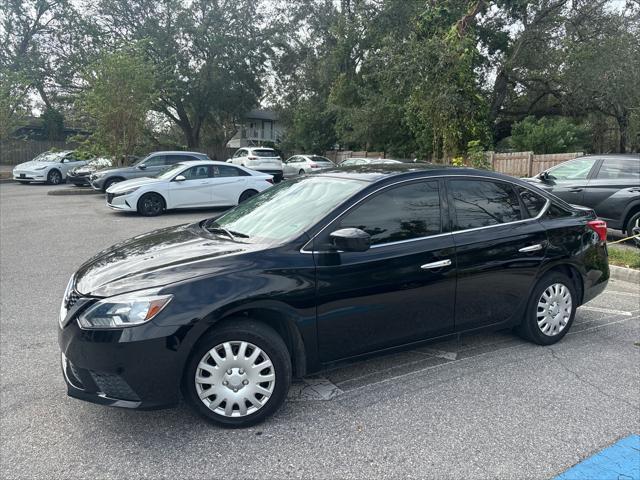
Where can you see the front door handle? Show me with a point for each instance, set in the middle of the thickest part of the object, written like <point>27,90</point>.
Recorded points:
<point>531,248</point>
<point>439,264</point>
<point>575,189</point>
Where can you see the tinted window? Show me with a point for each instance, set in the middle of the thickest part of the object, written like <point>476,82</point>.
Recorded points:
<point>533,202</point>
<point>481,203</point>
<point>321,159</point>
<point>574,170</point>
<point>264,153</point>
<point>227,171</point>
<point>171,159</point>
<point>555,211</point>
<point>154,161</point>
<point>400,213</point>
<point>197,172</point>
<point>614,168</point>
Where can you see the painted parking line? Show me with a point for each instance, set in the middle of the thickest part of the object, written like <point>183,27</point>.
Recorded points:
<point>620,461</point>
<point>606,310</point>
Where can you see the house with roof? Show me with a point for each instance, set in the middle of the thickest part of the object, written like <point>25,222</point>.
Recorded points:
<point>258,128</point>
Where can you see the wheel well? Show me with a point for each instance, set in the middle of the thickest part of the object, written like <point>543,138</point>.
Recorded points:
<point>54,170</point>
<point>573,273</point>
<point>632,211</point>
<point>283,325</point>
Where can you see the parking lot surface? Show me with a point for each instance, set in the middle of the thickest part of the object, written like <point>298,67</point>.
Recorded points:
<point>485,406</point>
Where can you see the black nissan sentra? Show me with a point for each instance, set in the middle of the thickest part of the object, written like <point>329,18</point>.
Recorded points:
<point>320,269</point>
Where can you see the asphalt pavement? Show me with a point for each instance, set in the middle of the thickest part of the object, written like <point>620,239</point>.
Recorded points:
<point>486,406</point>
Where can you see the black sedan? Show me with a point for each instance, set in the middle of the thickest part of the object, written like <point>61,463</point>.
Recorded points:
<point>317,270</point>
<point>79,176</point>
<point>609,184</point>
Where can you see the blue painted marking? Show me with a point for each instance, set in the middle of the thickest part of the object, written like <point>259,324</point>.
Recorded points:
<point>620,461</point>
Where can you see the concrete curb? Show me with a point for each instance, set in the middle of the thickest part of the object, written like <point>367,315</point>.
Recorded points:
<point>74,191</point>
<point>625,274</point>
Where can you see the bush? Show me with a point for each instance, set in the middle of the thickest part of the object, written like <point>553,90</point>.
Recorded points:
<point>476,155</point>
<point>548,135</point>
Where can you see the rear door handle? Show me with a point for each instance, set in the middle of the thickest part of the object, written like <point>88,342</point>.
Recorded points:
<point>531,248</point>
<point>575,189</point>
<point>441,263</point>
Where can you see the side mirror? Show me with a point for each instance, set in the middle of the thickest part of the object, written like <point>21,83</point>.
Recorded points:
<point>544,176</point>
<point>180,178</point>
<point>142,166</point>
<point>229,160</point>
<point>351,240</point>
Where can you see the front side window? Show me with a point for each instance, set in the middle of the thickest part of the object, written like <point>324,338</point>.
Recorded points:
<point>197,172</point>
<point>619,168</point>
<point>155,161</point>
<point>481,203</point>
<point>574,170</point>
<point>399,213</point>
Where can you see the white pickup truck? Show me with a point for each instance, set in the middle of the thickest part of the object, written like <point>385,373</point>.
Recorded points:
<point>262,159</point>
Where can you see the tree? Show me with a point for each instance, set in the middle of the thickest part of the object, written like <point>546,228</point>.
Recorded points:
<point>119,95</point>
<point>547,135</point>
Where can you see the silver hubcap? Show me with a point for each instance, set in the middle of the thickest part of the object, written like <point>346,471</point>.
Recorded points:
<point>235,379</point>
<point>554,309</point>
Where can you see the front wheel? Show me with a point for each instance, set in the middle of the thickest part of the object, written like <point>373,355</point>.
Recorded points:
<point>54,177</point>
<point>238,374</point>
<point>550,310</point>
<point>633,228</point>
<point>150,205</point>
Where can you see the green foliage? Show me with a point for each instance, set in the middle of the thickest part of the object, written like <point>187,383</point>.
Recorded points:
<point>119,95</point>
<point>457,161</point>
<point>476,155</point>
<point>547,135</point>
<point>13,102</point>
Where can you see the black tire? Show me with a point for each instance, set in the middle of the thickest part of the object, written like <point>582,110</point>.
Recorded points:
<point>301,172</point>
<point>110,181</point>
<point>529,327</point>
<point>633,222</point>
<point>151,204</point>
<point>246,195</point>
<point>241,330</point>
<point>54,177</point>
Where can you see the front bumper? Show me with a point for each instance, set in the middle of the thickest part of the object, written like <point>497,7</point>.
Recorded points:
<point>136,367</point>
<point>28,176</point>
<point>81,181</point>
<point>122,203</point>
<point>96,183</point>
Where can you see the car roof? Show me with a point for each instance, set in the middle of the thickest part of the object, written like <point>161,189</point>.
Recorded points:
<point>617,156</point>
<point>259,148</point>
<point>204,162</point>
<point>376,172</point>
<point>176,152</point>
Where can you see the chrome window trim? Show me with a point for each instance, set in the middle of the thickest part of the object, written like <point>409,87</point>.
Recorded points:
<point>463,176</point>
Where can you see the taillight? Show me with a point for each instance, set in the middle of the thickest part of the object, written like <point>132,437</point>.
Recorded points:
<point>314,165</point>
<point>270,180</point>
<point>600,227</point>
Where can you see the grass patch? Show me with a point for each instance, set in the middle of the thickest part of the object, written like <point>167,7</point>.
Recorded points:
<point>624,257</point>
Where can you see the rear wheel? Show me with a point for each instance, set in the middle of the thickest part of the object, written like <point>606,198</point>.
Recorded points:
<point>150,205</point>
<point>238,374</point>
<point>633,228</point>
<point>301,172</point>
<point>54,177</point>
<point>246,195</point>
<point>550,310</point>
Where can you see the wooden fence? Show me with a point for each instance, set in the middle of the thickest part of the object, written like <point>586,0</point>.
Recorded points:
<point>15,151</point>
<point>527,164</point>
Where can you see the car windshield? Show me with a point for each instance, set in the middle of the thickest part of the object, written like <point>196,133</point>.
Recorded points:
<point>264,153</point>
<point>168,172</point>
<point>48,157</point>
<point>276,215</point>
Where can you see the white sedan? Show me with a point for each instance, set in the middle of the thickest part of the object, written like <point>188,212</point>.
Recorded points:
<point>48,167</point>
<point>302,164</point>
<point>193,184</point>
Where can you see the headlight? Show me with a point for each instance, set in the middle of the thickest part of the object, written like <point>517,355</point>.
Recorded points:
<point>65,297</point>
<point>123,311</point>
<point>126,192</point>
<point>40,168</point>
<point>98,174</point>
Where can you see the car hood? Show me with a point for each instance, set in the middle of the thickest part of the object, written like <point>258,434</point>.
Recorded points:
<point>32,164</point>
<point>156,259</point>
<point>120,171</point>
<point>133,183</point>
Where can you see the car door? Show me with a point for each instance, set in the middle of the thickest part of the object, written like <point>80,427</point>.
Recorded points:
<point>228,184</point>
<point>499,248</point>
<point>194,191</point>
<point>399,291</point>
<point>613,187</point>
<point>151,166</point>
<point>570,179</point>
<point>288,167</point>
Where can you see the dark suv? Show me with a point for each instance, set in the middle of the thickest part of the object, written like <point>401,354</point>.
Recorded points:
<point>609,184</point>
<point>227,310</point>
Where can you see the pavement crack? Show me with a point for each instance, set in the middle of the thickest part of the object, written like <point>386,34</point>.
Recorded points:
<point>582,380</point>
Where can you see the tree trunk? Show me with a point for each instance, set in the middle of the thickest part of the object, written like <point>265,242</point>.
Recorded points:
<point>623,126</point>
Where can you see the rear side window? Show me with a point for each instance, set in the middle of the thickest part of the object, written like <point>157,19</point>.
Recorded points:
<point>618,168</point>
<point>533,202</point>
<point>320,159</point>
<point>172,159</point>
<point>228,171</point>
<point>400,213</point>
<point>481,203</point>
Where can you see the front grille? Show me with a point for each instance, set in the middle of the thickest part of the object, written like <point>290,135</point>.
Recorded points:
<point>113,386</point>
<point>72,299</point>
<point>110,197</point>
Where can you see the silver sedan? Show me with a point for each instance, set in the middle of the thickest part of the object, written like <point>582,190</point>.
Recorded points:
<point>303,164</point>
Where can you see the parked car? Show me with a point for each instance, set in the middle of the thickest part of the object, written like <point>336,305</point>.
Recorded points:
<point>262,159</point>
<point>302,164</point>
<point>349,162</point>
<point>79,176</point>
<point>316,270</point>
<point>48,167</point>
<point>147,167</point>
<point>191,184</point>
<point>609,184</point>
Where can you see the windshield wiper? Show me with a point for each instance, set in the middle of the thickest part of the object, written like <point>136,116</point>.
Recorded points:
<point>229,233</point>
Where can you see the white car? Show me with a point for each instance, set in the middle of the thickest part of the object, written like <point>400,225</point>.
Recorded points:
<point>302,164</point>
<point>48,167</point>
<point>349,162</point>
<point>192,184</point>
<point>262,159</point>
